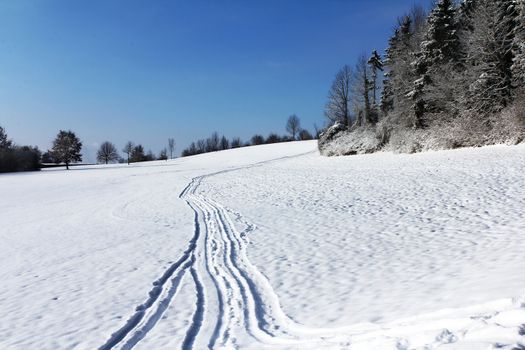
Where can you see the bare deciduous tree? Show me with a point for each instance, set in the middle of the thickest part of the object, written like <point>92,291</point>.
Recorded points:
<point>107,153</point>
<point>171,146</point>
<point>224,143</point>
<point>257,140</point>
<point>128,149</point>
<point>305,135</point>
<point>293,125</point>
<point>338,107</point>
<point>236,142</point>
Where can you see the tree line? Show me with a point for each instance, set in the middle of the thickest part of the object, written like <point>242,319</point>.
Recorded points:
<point>449,78</point>
<point>215,142</point>
<point>66,149</point>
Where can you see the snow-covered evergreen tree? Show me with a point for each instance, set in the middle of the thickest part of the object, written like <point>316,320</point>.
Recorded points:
<point>518,67</point>
<point>490,56</point>
<point>399,73</point>
<point>376,65</point>
<point>439,58</point>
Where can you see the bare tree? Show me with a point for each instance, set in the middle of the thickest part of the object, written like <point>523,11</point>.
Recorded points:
<point>107,153</point>
<point>171,146</point>
<point>305,135</point>
<point>224,143</point>
<point>339,97</point>
<point>163,155</point>
<point>128,149</point>
<point>293,125</point>
<point>213,142</point>
<point>361,88</point>
<point>257,140</point>
<point>236,142</point>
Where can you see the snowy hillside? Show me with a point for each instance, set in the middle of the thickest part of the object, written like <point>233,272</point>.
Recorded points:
<point>268,247</point>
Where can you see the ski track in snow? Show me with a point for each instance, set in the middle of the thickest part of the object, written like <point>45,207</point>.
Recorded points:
<point>241,300</point>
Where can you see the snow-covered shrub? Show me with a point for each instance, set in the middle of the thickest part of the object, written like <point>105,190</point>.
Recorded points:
<point>509,125</point>
<point>329,134</point>
<point>357,141</point>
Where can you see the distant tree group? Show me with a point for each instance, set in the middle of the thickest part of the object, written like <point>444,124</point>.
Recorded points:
<point>218,143</point>
<point>17,158</point>
<point>455,75</point>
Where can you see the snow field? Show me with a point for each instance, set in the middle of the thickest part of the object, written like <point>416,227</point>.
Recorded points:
<point>268,247</point>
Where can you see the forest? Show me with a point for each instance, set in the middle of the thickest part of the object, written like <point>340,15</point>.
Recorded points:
<point>451,78</point>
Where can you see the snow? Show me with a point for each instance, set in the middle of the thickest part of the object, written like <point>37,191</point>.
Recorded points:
<point>268,247</point>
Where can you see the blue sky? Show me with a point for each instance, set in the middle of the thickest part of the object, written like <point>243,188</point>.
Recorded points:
<point>144,71</point>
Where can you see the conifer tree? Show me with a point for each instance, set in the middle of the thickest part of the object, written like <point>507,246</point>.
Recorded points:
<point>439,56</point>
<point>376,65</point>
<point>490,57</point>
<point>518,66</point>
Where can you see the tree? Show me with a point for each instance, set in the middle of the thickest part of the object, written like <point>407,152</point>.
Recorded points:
<point>439,57</point>
<point>107,153</point>
<point>137,154</point>
<point>128,149</point>
<point>305,135</point>
<point>66,148</point>
<point>5,143</point>
<point>171,146</point>
<point>224,143</point>
<point>236,142</point>
<point>399,72</point>
<point>212,142</point>
<point>257,139</point>
<point>273,138</point>
<point>149,156</point>
<point>47,157</point>
<point>293,125</point>
<point>518,66</point>
<point>490,57</point>
<point>361,93</point>
<point>337,109</point>
<point>163,155</point>
<point>376,65</point>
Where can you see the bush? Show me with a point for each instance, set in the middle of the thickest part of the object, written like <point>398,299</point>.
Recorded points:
<point>16,158</point>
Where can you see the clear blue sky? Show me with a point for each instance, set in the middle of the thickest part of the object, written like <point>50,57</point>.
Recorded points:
<point>144,70</point>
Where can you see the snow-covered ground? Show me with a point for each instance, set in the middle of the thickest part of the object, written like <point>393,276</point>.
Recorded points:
<point>268,247</point>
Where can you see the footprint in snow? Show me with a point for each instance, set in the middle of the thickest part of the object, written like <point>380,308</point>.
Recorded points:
<point>446,337</point>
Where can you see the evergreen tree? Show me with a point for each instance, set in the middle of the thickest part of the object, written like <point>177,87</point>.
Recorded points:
<point>518,66</point>
<point>376,65</point>
<point>66,148</point>
<point>490,57</point>
<point>5,143</point>
<point>439,58</point>
<point>396,99</point>
<point>137,154</point>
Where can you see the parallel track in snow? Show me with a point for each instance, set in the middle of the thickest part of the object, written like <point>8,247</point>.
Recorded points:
<point>244,300</point>
<point>234,303</point>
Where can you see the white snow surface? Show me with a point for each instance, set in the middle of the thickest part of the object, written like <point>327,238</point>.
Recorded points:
<point>268,247</point>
